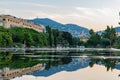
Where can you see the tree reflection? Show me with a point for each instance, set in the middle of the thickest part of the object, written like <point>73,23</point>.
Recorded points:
<point>58,60</point>
<point>8,59</point>
<point>108,63</point>
<point>31,58</point>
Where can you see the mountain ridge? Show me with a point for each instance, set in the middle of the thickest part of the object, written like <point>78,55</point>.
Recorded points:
<point>74,29</point>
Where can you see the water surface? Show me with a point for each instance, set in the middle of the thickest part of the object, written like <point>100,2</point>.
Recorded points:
<point>63,65</point>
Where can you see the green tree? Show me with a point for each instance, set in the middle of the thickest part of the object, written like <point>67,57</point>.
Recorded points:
<point>110,34</point>
<point>29,36</point>
<point>117,43</point>
<point>50,35</point>
<point>94,39</point>
<point>55,35</point>
<point>68,37</point>
<point>105,42</point>
<point>91,32</point>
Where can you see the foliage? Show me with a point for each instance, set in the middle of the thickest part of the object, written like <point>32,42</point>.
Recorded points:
<point>28,37</point>
<point>117,43</point>
<point>105,42</point>
<point>110,34</point>
<point>107,39</point>
<point>9,37</point>
<point>21,37</point>
<point>78,42</point>
<point>50,36</point>
<point>56,37</point>
<point>109,63</point>
<point>94,39</point>
<point>5,37</point>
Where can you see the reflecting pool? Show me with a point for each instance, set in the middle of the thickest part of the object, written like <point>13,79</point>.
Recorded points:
<point>69,65</point>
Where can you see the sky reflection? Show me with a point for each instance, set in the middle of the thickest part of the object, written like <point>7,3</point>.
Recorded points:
<point>97,72</point>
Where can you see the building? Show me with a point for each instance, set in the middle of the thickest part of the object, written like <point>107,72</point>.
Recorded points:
<point>118,34</point>
<point>84,37</point>
<point>8,73</point>
<point>11,21</point>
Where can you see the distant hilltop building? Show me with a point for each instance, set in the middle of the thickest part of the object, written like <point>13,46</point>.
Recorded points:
<point>84,37</point>
<point>11,21</point>
<point>118,34</point>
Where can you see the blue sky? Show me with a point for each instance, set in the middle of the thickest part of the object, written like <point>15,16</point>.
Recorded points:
<point>96,14</point>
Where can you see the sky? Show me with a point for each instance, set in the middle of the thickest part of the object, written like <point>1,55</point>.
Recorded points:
<point>92,14</point>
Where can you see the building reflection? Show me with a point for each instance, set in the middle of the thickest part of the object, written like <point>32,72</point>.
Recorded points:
<point>21,63</point>
<point>8,73</point>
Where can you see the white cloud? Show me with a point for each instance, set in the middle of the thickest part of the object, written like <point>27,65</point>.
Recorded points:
<point>95,12</point>
<point>37,5</point>
<point>83,16</point>
<point>97,18</point>
<point>5,10</point>
<point>34,4</point>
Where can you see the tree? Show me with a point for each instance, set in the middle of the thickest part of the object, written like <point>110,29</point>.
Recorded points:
<point>117,43</point>
<point>94,39</point>
<point>5,37</point>
<point>55,35</point>
<point>50,35</point>
<point>28,39</point>
<point>58,37</point>
<point>68,37</point>
<point>29,36</point>
<point>105,42</point>
<point>91,32</point>
<point>110,34</point>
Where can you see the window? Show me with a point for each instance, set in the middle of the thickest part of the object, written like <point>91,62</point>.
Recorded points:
<point>1,24</point>
<point>1,19</point>
<point>3,75</point>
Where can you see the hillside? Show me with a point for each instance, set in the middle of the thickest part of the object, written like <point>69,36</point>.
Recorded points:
<point>74,29</point>
<point>117,29</point>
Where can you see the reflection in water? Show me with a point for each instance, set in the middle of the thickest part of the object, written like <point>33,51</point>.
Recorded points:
<point>98,72</point>
<point>59,64</point>
<point>6,73</point>
<point>75,64</point>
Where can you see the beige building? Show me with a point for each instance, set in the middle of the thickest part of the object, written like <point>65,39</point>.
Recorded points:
<point>83,37</point>
<point>118,34</point>
<point>11,21</point>
<point>12,73</point>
